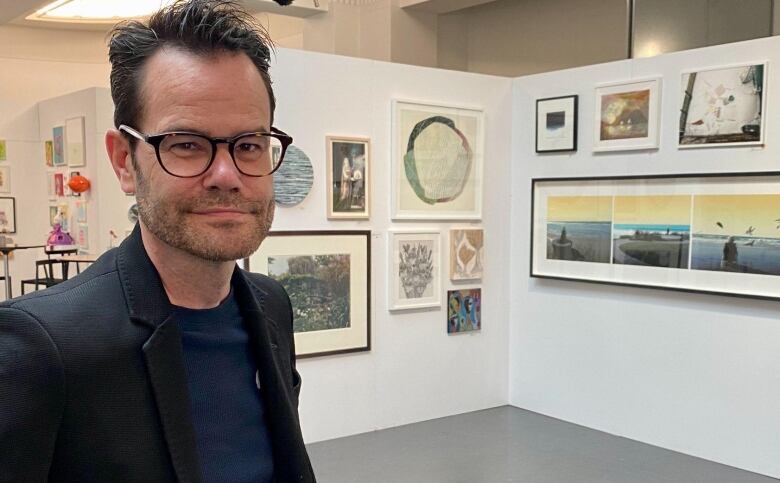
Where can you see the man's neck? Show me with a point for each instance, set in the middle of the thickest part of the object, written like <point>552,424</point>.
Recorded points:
<point>188,280</point>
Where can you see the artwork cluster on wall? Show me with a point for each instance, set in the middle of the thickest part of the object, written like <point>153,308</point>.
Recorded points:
<point>717,233</point>
<point>719,106</point>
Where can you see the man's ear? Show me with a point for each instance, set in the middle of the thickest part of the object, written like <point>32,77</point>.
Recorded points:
<point>118,148</point>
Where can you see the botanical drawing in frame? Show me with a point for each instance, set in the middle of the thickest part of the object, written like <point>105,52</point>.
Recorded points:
<point>327,275</point>
<point>556,124</point>
<point>7,214</point>
<point>723,106</point>
<point>437,159</point>
<point>467,253</point>
<point>627,115</point>
<point>415,269</point>
<point>711,233</point>
<point>349,177</point>
<point>75,143</point>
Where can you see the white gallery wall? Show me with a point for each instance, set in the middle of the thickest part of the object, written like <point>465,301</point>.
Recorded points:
<point>693,373</point>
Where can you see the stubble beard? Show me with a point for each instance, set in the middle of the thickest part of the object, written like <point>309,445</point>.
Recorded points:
<point>173,222</point>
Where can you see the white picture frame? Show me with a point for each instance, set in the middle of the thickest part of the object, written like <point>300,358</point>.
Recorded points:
<point>627,115</point>
<point>75,144</point>
<point>418,251</point>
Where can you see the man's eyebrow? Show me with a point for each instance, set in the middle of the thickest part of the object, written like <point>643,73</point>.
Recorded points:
<point>188,129</point>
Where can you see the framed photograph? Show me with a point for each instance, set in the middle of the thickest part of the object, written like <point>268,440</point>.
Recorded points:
<point>627,115</point>
<point>437,157</point>
<point>5,179</point>
<point>464,310</point>
<point>294,178</point>
<point>327,275</point>
<point>74,142</point>
<point>556,124</point>
<point>58,145</point>
<point>711,233</point>
<point>349,177</point>
<point>467,253</point>
<point>723,106</point>
<point>7,215</point>
<point>414,269</point>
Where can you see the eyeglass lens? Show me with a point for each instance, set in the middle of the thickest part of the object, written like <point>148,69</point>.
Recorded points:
<point>190,154</point>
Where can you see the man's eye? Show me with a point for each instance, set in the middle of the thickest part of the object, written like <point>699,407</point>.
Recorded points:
<point>249,147</point>
<point>186,146</point>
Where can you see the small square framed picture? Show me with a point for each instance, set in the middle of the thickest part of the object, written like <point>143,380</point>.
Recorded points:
<point>627,115</point>
<point>349,177</point>
<point>556,124</point>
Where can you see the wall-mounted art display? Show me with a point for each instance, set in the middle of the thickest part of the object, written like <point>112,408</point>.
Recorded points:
<point>53,211</point>
<point>48,149</point>
<point>556,124</point>
<point>627,115</point>
<point>7,215</point>
<point>327,275</point>
<point>59,184</point>
<point>467,253</point>
<point>82,236</point>
<point>294,178</point>
<point>58,143</point>
<point>349,182</point>
<point>74,142</point>
<point>415,269</point>
<point>81,211</point>
<point>437,157</point>
<point>3,150</point>
<point>5,179</point>
<point>714,233</point>
<point>68,191</point>
<point>464,310</point>
<point>723,106</point>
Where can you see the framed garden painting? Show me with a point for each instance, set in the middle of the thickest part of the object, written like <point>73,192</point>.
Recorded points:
<point>467,253</point>
<point>556,124</point>
<point>349,177</point>
<point>723,106</point>
<point>327,275</point>
<point>627,115</point>
<point>437,158</point>
<point>713,233</point>
<point>415,269</point>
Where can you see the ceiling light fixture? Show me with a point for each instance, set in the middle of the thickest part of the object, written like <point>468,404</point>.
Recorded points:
<point>97,10</point>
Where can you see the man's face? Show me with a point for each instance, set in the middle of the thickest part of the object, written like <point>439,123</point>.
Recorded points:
<point>221,215</point>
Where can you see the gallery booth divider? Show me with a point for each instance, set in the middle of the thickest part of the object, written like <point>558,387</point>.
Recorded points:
<point>694,373</point>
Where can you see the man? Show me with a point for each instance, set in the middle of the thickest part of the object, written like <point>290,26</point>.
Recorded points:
<point>164,361</point>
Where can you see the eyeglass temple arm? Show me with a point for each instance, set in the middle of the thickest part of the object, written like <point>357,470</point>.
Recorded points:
<point>132,132</point>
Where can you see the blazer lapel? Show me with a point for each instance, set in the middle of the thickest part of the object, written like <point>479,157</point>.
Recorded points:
<point>149,306</point>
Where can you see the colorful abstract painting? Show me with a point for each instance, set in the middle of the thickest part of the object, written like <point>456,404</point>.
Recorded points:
<point>58,143</point>
<point>464,310</point>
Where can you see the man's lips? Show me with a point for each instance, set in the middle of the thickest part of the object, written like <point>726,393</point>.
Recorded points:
<point>226,212</point>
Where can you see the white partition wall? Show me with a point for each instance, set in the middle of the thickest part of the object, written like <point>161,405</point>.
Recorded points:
<point>694,373</point>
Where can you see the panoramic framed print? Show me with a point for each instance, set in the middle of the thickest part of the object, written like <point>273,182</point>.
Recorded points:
<point>327,275</point>
<point>349,177</point>
<point>723,106</point>
<point>556,124</point>
<point>467,253</point>
<point>712,233</point>
<point>437,157</point>
<point>415,269</point>
<point>627,115</point>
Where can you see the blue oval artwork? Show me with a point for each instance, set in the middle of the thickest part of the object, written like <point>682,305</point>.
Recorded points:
<point>293,180</point>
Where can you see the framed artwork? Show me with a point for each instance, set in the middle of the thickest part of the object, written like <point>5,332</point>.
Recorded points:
<point>53,211</point>
<point>63,210</point>
<point>58,144</point>
<point>349,177</point>
<point>415,269</point>
<point>74,142</point>
<point>68,191</point>
<point>556,124</point>
<point>464,310</point>
<point>627,115</point>
<point>5,179</point>
<point>723,106</point>
<point>712,233</point>
<point>3,150</point>
<point>7,214</point>
<point>328,277</point>
<point>81,211</point>
<point>48,149</point>
<point>82,236</point>
<point>59,184</point>
<point>467,253</point>
<point>437,158</point>
<point>294,178</point>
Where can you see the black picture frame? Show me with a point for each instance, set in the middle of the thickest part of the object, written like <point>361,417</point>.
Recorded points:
<point>569,104</point>
<point>315,242</point>
<point>12,221</point>
<point>731,276</point>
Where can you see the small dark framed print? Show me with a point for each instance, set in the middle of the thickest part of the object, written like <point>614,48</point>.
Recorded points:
<point>556,124</point>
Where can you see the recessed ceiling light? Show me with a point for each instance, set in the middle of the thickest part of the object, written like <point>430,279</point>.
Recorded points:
<point>97,10</point>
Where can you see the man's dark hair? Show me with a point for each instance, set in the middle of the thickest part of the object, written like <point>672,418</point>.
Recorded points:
<point>202,27</point>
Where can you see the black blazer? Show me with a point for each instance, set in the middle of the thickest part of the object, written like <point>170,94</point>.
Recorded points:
<point>93,386</point>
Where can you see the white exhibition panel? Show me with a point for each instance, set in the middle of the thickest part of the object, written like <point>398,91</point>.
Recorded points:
<point>693,373</point>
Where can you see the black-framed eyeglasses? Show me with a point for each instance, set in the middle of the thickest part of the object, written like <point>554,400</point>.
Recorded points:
<point>187,155</point>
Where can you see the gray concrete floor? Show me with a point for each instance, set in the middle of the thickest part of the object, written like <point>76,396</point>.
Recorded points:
<point>508,444</point>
